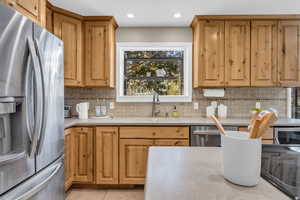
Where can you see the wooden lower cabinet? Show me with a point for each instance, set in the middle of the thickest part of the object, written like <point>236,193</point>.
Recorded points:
<point>267,137</point>
<point>84,155</point>
<point>133,160</point>
<point>107,155</point>
<point>112,155</point>
<point>171,142</point>
<point>134,156</point>
<point>69,158</point>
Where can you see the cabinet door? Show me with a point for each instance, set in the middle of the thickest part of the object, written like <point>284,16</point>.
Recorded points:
<point>70,31</point>
<point>107,155</point>
<point>133,160</point>
<point>264,53</point>
<point>34,9</point>
<point>237,53</point>
<point>289,53</point>
<point>209,54</point>
<point>83,151</point>
<point>49,20</point>
<point>171,142</point>
<point>69,158</point>
<point>32,6</point>
<point>99,54</point>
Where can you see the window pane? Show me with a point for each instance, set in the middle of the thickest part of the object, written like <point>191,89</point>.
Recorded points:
<point>147,72</point>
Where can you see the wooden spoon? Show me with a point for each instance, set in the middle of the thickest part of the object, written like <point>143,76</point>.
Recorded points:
<point>256,124</point>
<point>268,121</point>
<point>218,124</point>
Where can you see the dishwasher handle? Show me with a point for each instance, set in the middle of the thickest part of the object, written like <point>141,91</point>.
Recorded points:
<point>207,132</point>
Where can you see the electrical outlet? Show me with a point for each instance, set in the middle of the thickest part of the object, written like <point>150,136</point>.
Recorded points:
<point>112,105</point>
<point>196,106</point>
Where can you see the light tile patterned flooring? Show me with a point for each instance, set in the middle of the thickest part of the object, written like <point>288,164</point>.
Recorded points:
<point>103,194</point>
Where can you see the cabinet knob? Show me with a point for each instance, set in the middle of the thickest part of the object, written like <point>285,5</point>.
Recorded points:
<point>12,3</point>
<point>153,133</point>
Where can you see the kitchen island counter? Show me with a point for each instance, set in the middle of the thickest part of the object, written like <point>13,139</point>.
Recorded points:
<point>195,173</point>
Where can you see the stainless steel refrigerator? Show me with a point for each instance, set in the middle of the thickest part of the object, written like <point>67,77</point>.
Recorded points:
<point>31,110</point>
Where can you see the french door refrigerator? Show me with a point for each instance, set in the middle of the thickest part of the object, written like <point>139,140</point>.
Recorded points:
<point>31,110</point>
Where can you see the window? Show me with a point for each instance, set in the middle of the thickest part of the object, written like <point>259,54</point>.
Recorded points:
<point>148,68</point>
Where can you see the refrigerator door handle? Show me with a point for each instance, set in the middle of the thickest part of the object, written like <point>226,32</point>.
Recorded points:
<point>45,102</point>
<point>39,100</point>
<point>5,159</point>
<point>26,193</point>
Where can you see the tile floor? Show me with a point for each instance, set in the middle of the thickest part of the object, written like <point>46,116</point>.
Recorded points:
<point>103,194</point>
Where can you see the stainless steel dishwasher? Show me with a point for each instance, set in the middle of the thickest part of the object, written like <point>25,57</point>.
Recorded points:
<point>208,136</point>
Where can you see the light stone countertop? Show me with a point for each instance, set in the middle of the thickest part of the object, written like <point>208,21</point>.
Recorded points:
<point>136,121</point>
<point>195,173</point>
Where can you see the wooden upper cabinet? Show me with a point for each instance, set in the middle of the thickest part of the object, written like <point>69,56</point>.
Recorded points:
<point>99,54</point>
<point>209,54</point>
<point>33,9</point>
<point>49,19</point>
<point>237,53</point>
<point>84,155</point>
<point>69,30</point>
<point>289,53</point>
<point>107,155</point>
<point>264,53</point>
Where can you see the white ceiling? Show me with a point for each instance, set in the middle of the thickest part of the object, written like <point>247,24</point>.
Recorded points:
<point>160,12</point>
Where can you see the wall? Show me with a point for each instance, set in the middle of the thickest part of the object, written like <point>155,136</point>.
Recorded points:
<point>172,34</point>
<point>239,100</point>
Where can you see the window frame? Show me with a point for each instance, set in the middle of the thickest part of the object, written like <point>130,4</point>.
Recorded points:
<point>150,46</point>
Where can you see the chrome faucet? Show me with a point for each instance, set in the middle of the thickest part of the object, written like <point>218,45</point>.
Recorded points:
<point>155,102</point>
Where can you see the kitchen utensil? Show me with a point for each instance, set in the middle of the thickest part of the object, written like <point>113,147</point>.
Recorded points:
<point>268,121</point>
<point>218,124</point>
<point>241,158</point>
<point>259,118</point>
<point>82,110</point>
<point>253,118</point>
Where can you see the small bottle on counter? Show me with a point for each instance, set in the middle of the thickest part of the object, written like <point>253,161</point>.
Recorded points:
<point>103,108</point>
<point>98,108</point>
<point>175,112</point>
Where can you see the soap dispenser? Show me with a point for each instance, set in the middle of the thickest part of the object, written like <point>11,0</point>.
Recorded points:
<point>175,112</point>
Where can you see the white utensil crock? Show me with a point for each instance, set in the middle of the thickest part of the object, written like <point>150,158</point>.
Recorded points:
<point>83,110</point>
<point>241,158</point>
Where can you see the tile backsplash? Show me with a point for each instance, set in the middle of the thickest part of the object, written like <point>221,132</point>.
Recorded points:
<point>238,100</point>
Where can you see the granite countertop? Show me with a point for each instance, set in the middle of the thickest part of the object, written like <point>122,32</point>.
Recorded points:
<point>193,173</point>
<point>168,121</point>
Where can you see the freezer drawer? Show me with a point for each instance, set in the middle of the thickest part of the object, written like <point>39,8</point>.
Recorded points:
<point>46,185</point>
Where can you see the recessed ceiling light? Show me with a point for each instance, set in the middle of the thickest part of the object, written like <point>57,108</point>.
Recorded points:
<point>130,15</point>
<point>177,15</point>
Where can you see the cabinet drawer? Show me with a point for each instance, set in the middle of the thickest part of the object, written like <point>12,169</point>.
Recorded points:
<point>267,136</point>
<point>172,142</point>
<point>267,142</point>
<point>154,132</point>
